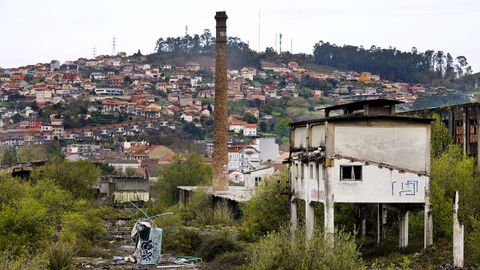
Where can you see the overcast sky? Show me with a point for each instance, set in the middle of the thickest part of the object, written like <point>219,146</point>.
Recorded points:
<point>33,31</point>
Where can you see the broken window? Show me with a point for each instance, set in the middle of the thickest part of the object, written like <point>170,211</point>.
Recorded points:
<point>459,131</point>
<point>473,130</point>
<point>351,173</point>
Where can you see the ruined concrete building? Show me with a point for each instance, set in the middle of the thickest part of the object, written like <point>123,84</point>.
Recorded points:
<point>220,133</point>
<point>462,123</point>
<point>364,154</point>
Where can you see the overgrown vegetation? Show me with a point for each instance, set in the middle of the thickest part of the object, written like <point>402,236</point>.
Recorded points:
<point>43,219</point>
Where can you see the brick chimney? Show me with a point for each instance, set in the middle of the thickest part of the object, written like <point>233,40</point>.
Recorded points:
<point>220,130</point>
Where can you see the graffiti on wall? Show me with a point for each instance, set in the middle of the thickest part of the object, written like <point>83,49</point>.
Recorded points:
<point>405,188</point>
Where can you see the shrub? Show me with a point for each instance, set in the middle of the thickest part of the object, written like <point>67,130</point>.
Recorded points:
<point>60,256</point>
<point>24,226</point>
<point>82,229</point>
<point>284,250</point>
<point>181,240</point>
<point>13,262</point>
<point>214,246</point>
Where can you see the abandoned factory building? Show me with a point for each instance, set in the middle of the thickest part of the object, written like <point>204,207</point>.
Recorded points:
<point>462,123</point>
<point>361,153</point>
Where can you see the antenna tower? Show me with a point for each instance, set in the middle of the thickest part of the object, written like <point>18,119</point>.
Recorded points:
<point>114,43</point>
<point>280,49</point>
<point>94,51</point>
<point>276,42</point>
<point>186,30</point>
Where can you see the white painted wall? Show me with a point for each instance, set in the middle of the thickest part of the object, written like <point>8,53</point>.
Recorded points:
<point>318,135</point>
<point>378,185</point>
<point>400,146</point>
<point>299,136</point>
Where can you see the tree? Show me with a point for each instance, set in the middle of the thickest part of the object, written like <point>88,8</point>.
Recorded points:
<point>24,225</point>
<point>130,171</point>
<point>249,118</point>
<point>440,139</point>
<point>28,153</point>
<point>77,177</point>
<point>8,158</point>
<point>188,171</point>
<point>267,211</point>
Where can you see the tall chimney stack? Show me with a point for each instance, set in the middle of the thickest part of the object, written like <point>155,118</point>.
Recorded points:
<point>220,130</point>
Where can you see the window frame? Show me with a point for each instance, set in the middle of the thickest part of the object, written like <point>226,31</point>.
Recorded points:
<point>352,168</point>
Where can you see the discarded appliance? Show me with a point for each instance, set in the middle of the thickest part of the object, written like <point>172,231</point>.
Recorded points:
<point>148,242</point>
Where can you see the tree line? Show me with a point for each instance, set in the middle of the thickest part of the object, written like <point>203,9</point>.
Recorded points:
<point>393,64</point>
<point>191,47</point>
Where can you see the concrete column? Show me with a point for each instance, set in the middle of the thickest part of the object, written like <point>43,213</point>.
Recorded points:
<point>403,226</point>
<point>293,214</point>
<point>428,221</point>
<point>181,198</point>
<point>381,221</point>
<point>363,217</point>
<point>466,130</point>
<point>309,219</point>
<point>329,207</point>
<point>478,140</point>
<point>458,233</point>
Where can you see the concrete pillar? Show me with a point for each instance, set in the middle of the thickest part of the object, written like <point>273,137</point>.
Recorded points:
<point>182,198</point>
<point>428,222</point>
<point>478,139</point>
<point>403,226</point>
<point>363,218</point>
<point>309,219</point>
<point>329,207</point>
<point>466,131</point>
<point>381,221</point>
<point>293,214</point>
<point>458,233</point>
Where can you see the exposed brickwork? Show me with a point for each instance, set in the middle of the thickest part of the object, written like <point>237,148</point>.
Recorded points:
<point>220,137</point>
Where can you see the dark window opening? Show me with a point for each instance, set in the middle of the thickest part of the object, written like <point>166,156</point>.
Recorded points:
<point>473,131</point>
<point>351,173</point>
<point>459,131</point>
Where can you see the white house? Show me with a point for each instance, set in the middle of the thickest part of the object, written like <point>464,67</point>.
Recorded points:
<point>250,130</point>
<point>253,177</point>
<point>368,155</point>
<point>243,158</point>
<point>186,117</point>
